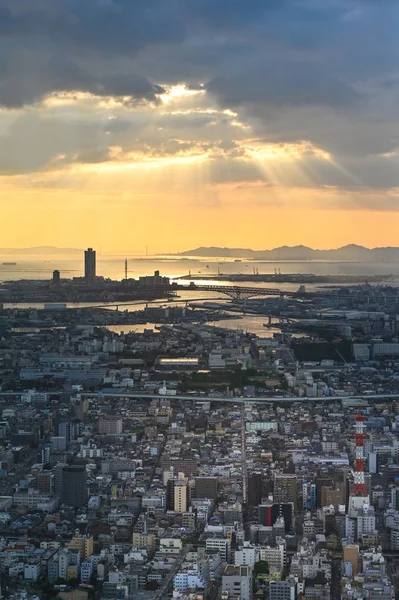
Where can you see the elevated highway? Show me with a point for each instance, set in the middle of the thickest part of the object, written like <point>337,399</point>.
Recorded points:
<point>225,399</point>
<point>222,399</point>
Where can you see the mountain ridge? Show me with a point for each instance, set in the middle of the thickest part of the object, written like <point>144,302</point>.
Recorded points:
<point>350,252</point>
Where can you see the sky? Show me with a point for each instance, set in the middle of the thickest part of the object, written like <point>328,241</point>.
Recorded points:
<point>172,124</point>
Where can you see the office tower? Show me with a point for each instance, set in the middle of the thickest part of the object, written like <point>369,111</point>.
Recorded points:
<point>90,265</point>
<point>74,485</point>
<point>285,488</point>
<point>237,582</point>
<point>56,277</point>
<point>269,513</point>
<point>254,489</point>
<point>334,496</point>
<point>282,590</point>
<point>181,494</point>
<point>110,426</point>
<point>64,430</point>
<point>57,470</point>
<point>206,487</point>
<point>170,494</point>
<point>45,452</point>
<point>58,443</point>
<point>45,482</point>
<point>178,494</point>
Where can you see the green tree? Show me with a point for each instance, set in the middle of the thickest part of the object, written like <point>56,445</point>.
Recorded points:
<point>261,567</point>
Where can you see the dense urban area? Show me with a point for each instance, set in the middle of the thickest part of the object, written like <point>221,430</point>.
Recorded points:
<point>185,460</point>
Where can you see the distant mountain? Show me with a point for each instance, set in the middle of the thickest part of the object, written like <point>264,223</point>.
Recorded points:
<point>351,252</point>
<point>45,250</point>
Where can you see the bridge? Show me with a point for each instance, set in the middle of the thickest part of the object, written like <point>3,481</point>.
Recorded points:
<point>238,292</point>
<point>235,292</point>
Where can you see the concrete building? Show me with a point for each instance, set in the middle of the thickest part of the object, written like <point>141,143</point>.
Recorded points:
<point>110,426</point>
<point>181,495</point>
<point>90,265</point>
<point>285,488</point>
<point>282,590</point>
<point>350,555</point>
<point>145,541</point>
<point>247,555</point>
<point>83,543</point>
<point>237,581</point>
<point>74,485</point>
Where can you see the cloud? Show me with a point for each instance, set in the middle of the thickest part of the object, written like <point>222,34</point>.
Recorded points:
<point>284,71</point>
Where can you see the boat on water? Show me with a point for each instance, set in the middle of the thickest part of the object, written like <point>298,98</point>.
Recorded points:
<point>9,263</point>
<point>237,260</point>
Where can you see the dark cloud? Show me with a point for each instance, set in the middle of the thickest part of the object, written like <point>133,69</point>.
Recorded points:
<point>97,26</point>
<point>318,70</point>
<point>27,77</point>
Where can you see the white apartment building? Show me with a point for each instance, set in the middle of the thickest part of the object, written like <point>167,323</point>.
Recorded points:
<point>221,544</point>
<point>237,581</point>
<point>247,555</point>
<point>275,556</point>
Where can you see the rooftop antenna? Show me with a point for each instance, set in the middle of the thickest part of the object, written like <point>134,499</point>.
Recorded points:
<point>125,268</point>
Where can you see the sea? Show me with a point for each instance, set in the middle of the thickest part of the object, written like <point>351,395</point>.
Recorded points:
<point>176,267</point>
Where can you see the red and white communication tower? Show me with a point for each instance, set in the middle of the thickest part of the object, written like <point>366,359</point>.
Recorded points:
<point>359,488</point>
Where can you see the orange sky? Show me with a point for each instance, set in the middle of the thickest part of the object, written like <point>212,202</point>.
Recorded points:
<point>213,184</point>
<point>129,220</point>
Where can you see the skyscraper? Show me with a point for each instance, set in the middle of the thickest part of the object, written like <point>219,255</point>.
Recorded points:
<point>285,488</point>
<point>90,264</point>
<point>74,485</point>
<point>254,489</point>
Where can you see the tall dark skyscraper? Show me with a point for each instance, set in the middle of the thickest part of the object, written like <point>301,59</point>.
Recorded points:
<point>90,264</point>
<point>74,485</point>
<point>56,277</point>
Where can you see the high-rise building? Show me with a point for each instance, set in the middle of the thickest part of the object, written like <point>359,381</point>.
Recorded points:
<point>178,494</point>
<point>271,511</point>
<point>181,495</point>
<point>45,451</point>
<point>90,264</point>
<point>56,277</point>
<point>113,426</point>
<point>285,488</point>
<point>57,470</point>
<point>237,581</point>
<point>254,488</point>
<point>282,590</point>
<point>74,485</point>
<point>83,543</point>
<point>45,481</point>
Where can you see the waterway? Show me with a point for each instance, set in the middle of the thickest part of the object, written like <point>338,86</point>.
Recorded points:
<point>177,267</point>
<point>113,266</point>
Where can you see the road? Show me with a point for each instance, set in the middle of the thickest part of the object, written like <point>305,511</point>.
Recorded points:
<point>238,400</point>
<point>244,471</point>
<point>230,400</point>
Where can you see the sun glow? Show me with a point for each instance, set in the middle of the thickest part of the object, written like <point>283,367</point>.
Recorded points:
<point>177,92</point>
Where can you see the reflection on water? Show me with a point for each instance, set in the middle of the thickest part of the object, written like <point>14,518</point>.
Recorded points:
<point>248,323</point>
<point>139,328</point>
<point>114,267</point>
